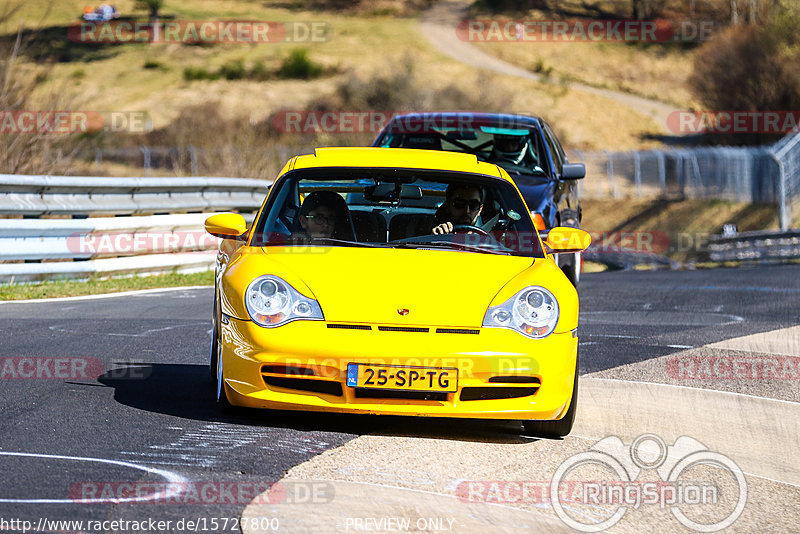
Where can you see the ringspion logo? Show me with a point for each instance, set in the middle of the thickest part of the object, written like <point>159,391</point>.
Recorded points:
<point>605,481</point>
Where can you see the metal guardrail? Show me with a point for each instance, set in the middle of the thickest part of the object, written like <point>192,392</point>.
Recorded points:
<point>40,249</point>
<point>748,246</point>
<point>87,195</point>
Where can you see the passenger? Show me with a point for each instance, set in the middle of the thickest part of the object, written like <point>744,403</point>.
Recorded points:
<point>462,206</point>
<point>324,214</point>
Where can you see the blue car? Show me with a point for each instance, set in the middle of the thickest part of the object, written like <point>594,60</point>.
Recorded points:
<point>524,146</point>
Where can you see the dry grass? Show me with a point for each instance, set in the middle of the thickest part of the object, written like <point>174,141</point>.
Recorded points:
<point>657,70</point>
<point>649,72</point>
<point>366,44</point>
<point>686,223</point>
<point>676,216</point>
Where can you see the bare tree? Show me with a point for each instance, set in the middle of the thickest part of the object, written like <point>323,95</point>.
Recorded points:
<point>154,6</point>
<point>27,150</point>
<point>646,9</point>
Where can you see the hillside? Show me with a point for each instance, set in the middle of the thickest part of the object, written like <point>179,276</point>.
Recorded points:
<point>372,56</point>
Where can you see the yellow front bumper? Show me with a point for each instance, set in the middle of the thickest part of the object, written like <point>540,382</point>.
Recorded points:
<point>326,351</point>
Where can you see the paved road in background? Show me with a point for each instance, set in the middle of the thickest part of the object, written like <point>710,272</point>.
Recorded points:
<point>143,413</point>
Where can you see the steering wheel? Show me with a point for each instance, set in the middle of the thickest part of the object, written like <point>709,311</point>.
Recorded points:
<point>465,228</point>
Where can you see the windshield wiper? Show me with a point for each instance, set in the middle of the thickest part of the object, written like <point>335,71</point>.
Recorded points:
<point>322,241</point>
<point>333,241</point>
<point>450,245</point>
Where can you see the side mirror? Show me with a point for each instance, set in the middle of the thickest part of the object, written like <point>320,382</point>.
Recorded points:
<point>573,171</point>
<point>563,239</point>
<point>227,226</point>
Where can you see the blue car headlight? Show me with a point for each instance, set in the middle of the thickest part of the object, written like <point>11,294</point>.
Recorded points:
<point>532,312</point>
<point>271,301</point>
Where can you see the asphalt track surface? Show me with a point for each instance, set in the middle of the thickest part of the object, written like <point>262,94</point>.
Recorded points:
<point>136,407</point>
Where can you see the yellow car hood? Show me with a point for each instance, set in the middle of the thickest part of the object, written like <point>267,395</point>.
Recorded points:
<point>371,285</point>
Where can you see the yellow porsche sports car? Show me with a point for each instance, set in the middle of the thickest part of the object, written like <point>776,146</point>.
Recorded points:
<point>396,281</point>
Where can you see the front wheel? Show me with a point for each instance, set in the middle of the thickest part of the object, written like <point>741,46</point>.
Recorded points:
<point>571,266</point>
<point>218,373</point>
<point>570,263</point>
<point>561,427</point>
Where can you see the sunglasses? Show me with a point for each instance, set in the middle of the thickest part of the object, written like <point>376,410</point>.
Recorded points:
<point>460,204</point>
<point>322,219</point>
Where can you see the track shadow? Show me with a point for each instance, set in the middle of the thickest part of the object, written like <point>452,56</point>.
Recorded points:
<point>186,391</point>
<point>68,44</point>
<point>53,44</point>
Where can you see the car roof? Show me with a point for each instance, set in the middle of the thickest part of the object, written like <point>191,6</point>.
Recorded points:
<point>460,119</point>
<point>402,158</point>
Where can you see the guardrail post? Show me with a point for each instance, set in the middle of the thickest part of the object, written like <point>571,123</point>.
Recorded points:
<point>146,162</point>
<point>784,208</point>
<point>637,174</point>
<point>662,171</point>
<point>193,158</point>
<point>611,180</point>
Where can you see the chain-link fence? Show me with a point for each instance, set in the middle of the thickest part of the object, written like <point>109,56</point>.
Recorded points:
<point>768,174</point>
<point>787,155</point>
<point>736,174</point>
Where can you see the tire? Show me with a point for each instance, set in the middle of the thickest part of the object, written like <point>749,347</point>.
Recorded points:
<point>560,427</point>
<point>218,373</point>
<point>571,266</point>
<point>212,364</point>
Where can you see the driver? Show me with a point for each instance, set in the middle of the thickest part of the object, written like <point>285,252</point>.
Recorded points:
<point>510,148</point>
<point>462,206</point>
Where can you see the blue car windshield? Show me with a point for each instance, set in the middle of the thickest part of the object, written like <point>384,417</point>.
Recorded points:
<point>397,208</point>
<point>515,149</point>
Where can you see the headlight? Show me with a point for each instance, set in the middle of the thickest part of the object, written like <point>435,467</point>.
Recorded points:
<point>532,312</point>
<point>271,301</point>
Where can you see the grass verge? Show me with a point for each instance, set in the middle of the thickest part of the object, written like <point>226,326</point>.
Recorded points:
<point>96,286</point>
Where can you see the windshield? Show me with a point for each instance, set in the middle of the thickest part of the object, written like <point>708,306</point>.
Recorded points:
<point>516,149</point>
<point>397,208</point>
